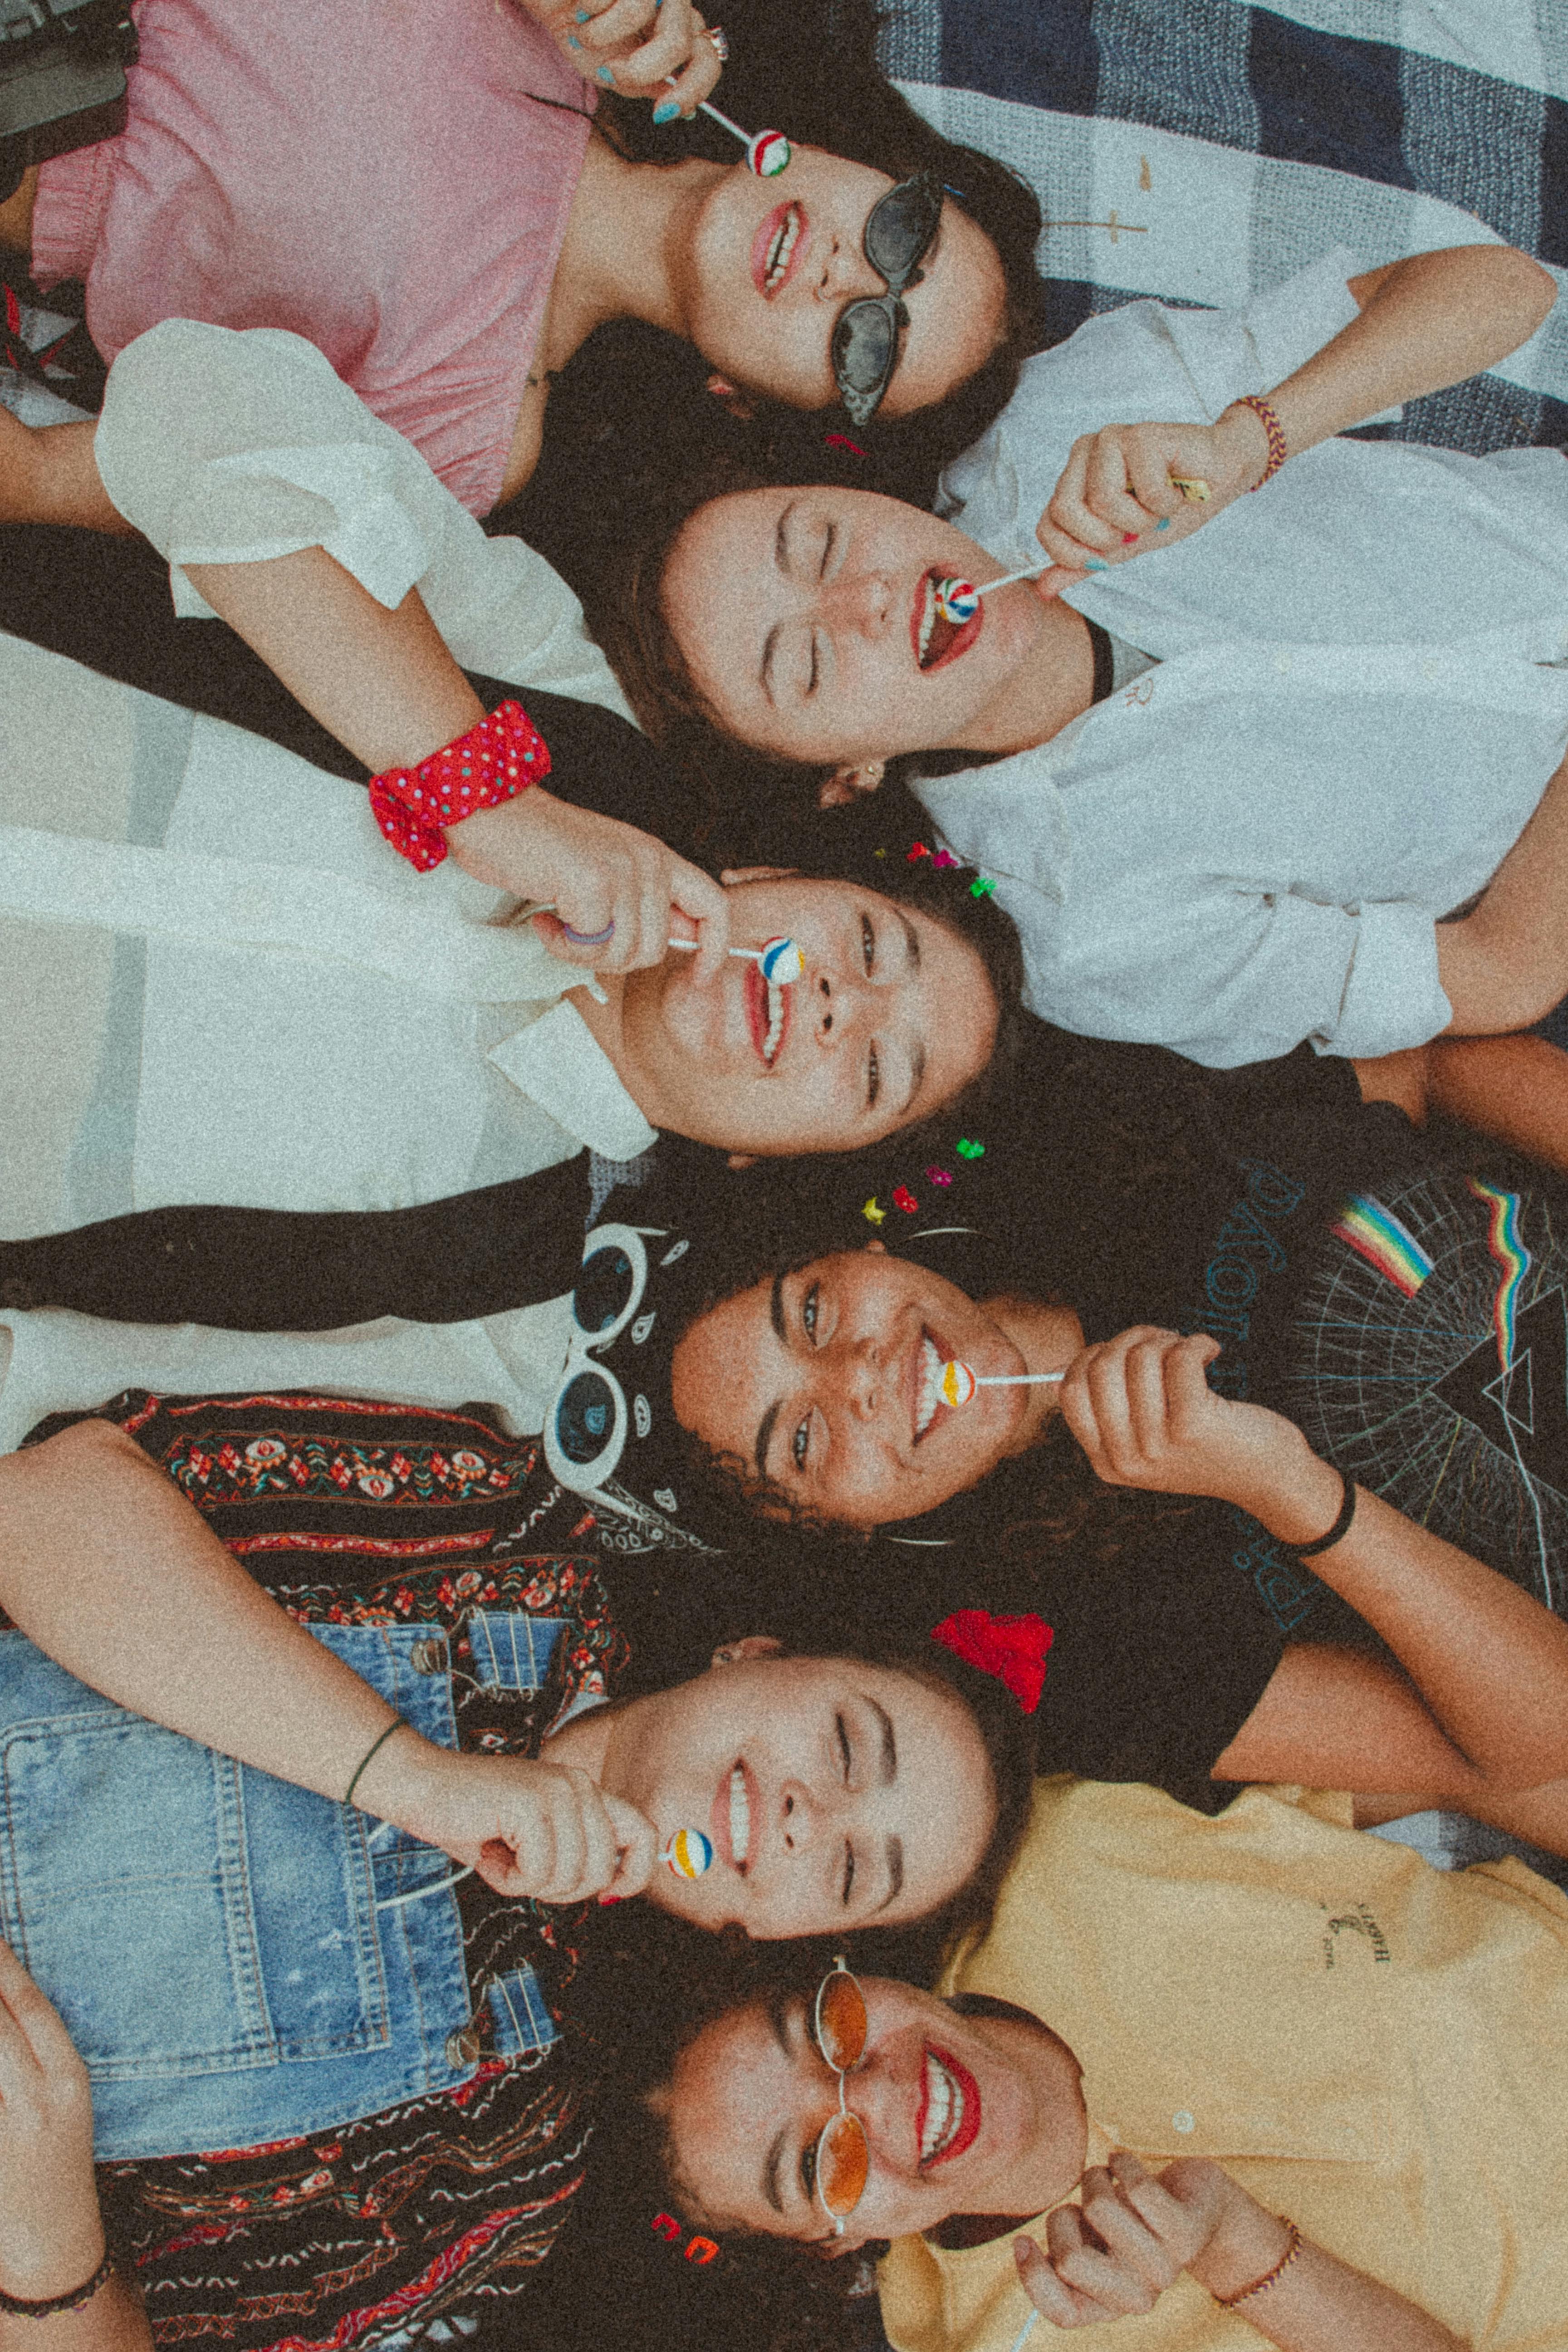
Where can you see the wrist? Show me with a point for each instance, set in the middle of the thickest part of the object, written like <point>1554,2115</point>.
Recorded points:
<point>74,2253</point>
<point>419,808</point>
<point>1301,1498</point>
<point>1247,2243</point>
<point>1242,435</point>
<point>402,1782</point>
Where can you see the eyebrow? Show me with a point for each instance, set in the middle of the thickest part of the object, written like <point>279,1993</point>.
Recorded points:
<point>890,1745</point>
<point>771,641</point>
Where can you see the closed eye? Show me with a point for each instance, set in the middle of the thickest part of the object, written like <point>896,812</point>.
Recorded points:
<point>868,943</point>
<point>813,673</point>
<point>827,539</point>
<point>848,1873</point>
<point>843,1746</point>
<point>873,1078</point>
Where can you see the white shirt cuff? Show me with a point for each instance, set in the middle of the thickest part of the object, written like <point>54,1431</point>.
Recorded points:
<point>1391,998</point>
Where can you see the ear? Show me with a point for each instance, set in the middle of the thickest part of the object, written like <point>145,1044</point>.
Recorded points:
<point>741,406</point>
<point>750,1645</point>
<point>733,875</point>
<point>847,784</point>
<point>739,1159</point>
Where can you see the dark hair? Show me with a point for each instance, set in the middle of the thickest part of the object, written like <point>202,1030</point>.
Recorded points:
<point>814,70</point>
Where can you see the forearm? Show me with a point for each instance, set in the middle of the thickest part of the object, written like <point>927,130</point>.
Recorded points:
<point>114,2321</point>
<point>115,1576</point>
<point>1317,2303</point>
<point>1512,1087</point>
<point>1424,323</point>
<point>383,683</point>
<point>1490,1662</point>
<point>1506,965</point>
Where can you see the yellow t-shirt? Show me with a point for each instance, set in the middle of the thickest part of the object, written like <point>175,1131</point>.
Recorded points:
<point>1374,2048</point>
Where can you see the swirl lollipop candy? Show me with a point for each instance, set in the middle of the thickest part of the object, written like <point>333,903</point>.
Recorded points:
<point>688,1852</point>
<point>781,962</point>
<point>957,601</point>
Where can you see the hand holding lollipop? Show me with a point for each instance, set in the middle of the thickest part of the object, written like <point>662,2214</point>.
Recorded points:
<point>767,152</point>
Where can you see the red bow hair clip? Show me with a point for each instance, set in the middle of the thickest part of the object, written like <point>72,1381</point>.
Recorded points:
<point>1012,1648</point>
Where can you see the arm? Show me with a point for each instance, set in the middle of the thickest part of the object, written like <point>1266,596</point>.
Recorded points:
<point>1424,323</point>
<point>114,1575</point>
<point>1137,2232</point>
<point>1488,1665</point>
<point>51,2232</point>
<point>1506,965</point>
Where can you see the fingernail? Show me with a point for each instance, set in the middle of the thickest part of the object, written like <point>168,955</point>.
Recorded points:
<point>666,110</point>
<point>582,16</point>
<point>607,75</point>
<point>1130,539</point>
<point>1093,564</point>
<point>609,1898</point>
<point>574,43</point>
<point>1163,523</point>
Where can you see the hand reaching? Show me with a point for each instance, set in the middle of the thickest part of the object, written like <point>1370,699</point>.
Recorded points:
<point>1117,496</point>
<point>545,1830</point>
<point>1144,1414</point>
<point>635,47</point>
<point>51,2235</point>
<point>596,873</point>
<point>1133,2237</point>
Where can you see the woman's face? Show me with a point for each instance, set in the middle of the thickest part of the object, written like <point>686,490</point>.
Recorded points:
<point>837,1794</point>
<point>824,1383</point>
<point>957,2114</point>
<point>892,1018</point>
<point>807,619</point>
<point>772,262</point>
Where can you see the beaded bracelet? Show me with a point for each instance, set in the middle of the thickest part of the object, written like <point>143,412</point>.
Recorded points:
<point>1278,452</point>
<point>78,2297</point>
<point>491,763</point>
<point>1292,2248</point>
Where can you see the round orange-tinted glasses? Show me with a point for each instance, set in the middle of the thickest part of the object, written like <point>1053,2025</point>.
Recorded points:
<point>843,2152</point>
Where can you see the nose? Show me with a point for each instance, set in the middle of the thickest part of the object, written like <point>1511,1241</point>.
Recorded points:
<point>863,1378</point>
<point>864,602</point>
<point>841,1002</point>
<point>844,272</point>
<point>799,1819</point>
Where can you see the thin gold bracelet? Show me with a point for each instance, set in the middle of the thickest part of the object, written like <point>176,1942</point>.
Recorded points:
<point>1229,2302</point>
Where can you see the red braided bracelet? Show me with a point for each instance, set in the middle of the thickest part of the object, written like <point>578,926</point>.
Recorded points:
<point>1278,452</point>
<point>491,763</point>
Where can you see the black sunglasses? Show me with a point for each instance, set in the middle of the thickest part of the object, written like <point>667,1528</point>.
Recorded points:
<point>865,349</point>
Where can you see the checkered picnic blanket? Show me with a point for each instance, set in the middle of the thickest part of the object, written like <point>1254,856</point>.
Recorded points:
<point>1200,149</point>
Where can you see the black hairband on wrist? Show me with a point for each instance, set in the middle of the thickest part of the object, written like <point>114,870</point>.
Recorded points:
<point>20,2309</point>
<point>1341,1527</point>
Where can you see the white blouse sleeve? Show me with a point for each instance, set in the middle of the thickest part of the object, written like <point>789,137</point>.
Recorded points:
<point>1233,976</point>
<point>233,447</point>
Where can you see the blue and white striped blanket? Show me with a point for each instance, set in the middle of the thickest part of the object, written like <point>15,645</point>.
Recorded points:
<point>1200,149</point>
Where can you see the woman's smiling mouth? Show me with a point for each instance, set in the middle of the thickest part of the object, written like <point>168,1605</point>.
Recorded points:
<point>768,1009</point>
<point>949,2113</point>
<point>778,248</point>
<point>730,1816</point>
<point>937,640</point>
<point>930,1357</point>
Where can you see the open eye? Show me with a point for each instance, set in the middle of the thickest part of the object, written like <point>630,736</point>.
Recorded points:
<point>868,943</point>
<point>800,1445</point>
<point>808,1313</point>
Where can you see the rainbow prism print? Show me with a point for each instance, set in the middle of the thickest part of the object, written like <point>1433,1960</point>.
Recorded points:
<point>1376,1234</point>
<point>1503,1241</point>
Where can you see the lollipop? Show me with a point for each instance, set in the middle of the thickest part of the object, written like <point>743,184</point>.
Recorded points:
<point>781,961</point>
<point>689,1853</point>
<point>767,152</point>
<point>958,1382</point>
<point>957,601</point>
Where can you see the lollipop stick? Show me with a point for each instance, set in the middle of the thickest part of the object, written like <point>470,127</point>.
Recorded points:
<point>732,128</point>
<point>1030,572</point>
<point>1016,1379</point>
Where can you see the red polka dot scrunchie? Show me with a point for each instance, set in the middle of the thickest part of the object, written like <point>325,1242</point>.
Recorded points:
<point>491,763</point>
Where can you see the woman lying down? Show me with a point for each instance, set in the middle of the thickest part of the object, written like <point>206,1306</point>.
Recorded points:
<point>1203,2082</point>
<point>288,1974</point>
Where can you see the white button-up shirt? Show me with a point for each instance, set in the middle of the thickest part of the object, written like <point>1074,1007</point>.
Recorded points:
<point>224,986</point>
<point>1353,720</point>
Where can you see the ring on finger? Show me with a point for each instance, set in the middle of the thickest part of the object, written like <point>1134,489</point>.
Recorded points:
<point>721,46</point>
<point>591,938</point>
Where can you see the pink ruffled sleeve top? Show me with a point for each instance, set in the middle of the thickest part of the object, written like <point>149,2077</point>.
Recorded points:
<point>378,176</point>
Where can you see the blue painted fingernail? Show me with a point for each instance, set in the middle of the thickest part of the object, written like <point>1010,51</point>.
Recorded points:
<point>666,110</point>
<point>574,43</point>
<point>582,16</point>
<point>1163,523</point>
<point>1093,564</point>
<point>607,75</point>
